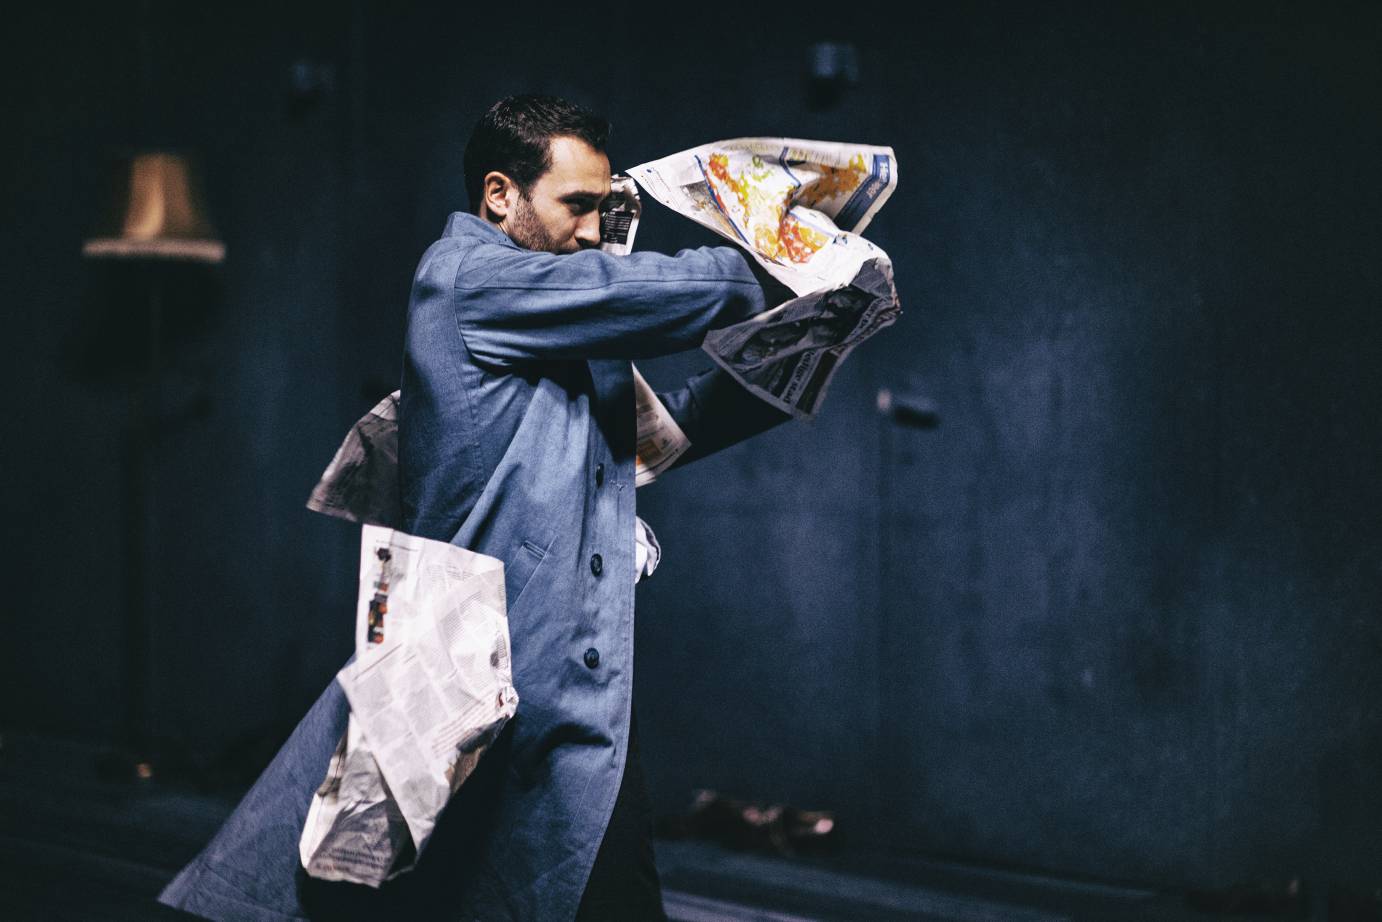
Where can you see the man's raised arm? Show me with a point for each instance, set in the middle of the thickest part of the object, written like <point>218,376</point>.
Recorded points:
<point>514,305</point>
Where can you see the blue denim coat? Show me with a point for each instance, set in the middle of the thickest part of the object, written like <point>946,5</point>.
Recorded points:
<point>517,440</point>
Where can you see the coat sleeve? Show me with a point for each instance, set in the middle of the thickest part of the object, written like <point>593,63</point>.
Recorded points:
<point>516,305</point>
<point>715,412</point>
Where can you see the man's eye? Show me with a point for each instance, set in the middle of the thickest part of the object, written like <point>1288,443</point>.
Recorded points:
<point>579,208</point>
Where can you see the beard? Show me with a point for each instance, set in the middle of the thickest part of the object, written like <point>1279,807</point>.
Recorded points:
<point>528,231</point>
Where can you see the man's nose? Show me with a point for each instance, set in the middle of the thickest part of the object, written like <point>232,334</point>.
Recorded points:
<point>588,230</point>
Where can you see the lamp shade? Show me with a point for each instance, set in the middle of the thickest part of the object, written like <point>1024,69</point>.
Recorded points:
<point>155,213</point>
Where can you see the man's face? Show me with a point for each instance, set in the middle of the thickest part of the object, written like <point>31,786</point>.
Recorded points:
<point>560,212</point>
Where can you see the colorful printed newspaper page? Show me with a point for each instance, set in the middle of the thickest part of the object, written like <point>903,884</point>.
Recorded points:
<point>798,207</point>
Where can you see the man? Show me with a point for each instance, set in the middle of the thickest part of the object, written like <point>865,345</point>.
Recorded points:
<point>517,440</point>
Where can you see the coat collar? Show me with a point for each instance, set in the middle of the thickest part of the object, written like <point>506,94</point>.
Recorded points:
<point>464,224</point>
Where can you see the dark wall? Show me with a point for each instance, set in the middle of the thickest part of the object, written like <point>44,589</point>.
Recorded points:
<point>1117,616</point>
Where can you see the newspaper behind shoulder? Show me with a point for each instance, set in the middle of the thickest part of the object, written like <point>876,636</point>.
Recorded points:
<point>361,482</point>
<point>430,688</point>
<point>798,207</point>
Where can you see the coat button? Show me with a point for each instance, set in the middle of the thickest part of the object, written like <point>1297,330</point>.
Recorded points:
<point>592,658</point>
<point>599,475</point>
<point>597,564</point>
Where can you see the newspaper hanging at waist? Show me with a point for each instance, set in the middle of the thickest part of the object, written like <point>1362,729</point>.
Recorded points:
<point>430,687</point>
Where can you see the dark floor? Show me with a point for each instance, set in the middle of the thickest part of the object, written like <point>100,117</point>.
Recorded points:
<point>76,845</point>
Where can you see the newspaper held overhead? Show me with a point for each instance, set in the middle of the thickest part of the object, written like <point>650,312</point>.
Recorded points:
<point>430,688</point>
<point>798,207</point>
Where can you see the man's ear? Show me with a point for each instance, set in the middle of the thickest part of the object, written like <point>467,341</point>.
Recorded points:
<point>498,192</point>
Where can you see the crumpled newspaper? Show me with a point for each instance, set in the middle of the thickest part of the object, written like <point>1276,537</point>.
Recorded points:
<point>788,355</point>
<point>430,687</point>
<point>798,207</point>
<point>361,482</point>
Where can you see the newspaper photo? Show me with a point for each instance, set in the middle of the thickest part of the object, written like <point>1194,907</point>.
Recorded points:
<point>430,687</point>
<point>619,215</point>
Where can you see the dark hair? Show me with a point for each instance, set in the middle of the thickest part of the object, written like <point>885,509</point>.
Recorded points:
<point>515,135</point>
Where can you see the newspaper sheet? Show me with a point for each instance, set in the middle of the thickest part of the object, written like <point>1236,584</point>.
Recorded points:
<point>619,215</point>
<point>430,688</point>
<point>788,355</point>
<point>798,207</point>
<point>660,440</point>
<point>361,483</point>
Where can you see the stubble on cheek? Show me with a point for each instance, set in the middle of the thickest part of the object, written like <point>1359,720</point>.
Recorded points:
<point>528,230</point>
